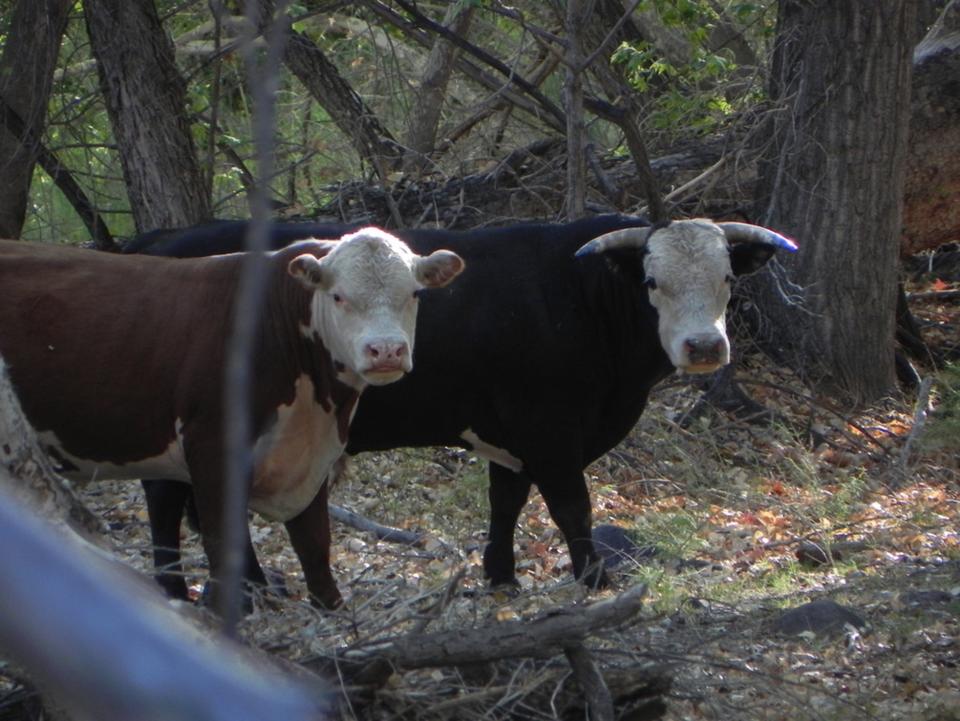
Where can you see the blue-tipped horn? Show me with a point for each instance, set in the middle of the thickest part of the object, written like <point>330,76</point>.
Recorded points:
<point>623,238</point>
<point>745,232</point>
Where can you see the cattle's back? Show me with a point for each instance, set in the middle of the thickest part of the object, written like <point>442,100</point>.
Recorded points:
<point>97,344</point>
<point>517,334</point>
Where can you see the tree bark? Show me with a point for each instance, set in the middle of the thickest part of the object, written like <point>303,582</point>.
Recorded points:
<point>573,104</point>
<point>833,180</point>
<point>26,76</point>
<point>146,100</point>
<point>932,183</point>
<point>421,135</point>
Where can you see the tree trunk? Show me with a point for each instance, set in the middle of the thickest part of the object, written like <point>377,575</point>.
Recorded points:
<point>421,136</point>
<point>931,213</point>
<point>833,180</point>
<point>26,68</point>
<point>146,100</point>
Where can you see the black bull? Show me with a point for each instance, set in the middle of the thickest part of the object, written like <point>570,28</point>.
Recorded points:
<point>546,358</point>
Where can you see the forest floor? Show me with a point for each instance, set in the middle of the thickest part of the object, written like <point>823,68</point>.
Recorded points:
<point>725,503</point>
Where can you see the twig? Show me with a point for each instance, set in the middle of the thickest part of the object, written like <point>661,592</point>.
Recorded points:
<point>435,610</point>
<point>937,295</point>
<point>812,402</point>
<point>610,35</point>
<point>920,412</point>
<point>678,192</point>
<point>598,697</point>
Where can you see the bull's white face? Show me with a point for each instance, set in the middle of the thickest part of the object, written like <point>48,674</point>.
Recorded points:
<point>364,304</point>
<point>688,275</point>
<point>689,266</point>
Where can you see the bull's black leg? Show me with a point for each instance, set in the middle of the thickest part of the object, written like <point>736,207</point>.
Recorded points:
<point>166,501</point>
<point>568,501</point>
<point>508,495</point>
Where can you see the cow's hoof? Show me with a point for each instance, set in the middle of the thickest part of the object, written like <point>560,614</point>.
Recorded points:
<point>276,583</point>
<point>328,601</point>
<point>509,588</point>
<point>174,587</point>
<point>595,578</point>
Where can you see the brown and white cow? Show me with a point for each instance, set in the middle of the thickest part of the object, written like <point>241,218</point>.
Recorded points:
<point>118,363</point>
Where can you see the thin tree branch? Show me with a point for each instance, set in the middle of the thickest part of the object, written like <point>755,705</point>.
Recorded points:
<point>251,290</point>
<point>423,21</point>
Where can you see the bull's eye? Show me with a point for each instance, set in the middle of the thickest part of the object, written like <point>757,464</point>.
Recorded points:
<point>337,298</point>
<point>650,283</point>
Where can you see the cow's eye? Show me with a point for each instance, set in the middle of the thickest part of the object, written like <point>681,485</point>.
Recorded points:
<point>729,279</point>
<point>337,298</point>
<point>650,283</point>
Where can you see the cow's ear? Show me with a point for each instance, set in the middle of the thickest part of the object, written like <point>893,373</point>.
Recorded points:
<point>748,257</point>
<point>438,268</point>
<point>310,271</point>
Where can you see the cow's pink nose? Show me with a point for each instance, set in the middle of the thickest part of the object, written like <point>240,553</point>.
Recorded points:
<point>385,352</point>
<point>704,351</point>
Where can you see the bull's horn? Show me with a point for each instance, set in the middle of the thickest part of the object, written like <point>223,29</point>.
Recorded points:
<point>747,233</point>
<point>624,238</point>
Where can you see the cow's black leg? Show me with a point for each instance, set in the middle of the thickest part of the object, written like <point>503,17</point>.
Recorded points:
<point>568,501</point>
<point>204,459</point>
<point>508,495</point>
<point>310,538</point>
<point>165,504</point>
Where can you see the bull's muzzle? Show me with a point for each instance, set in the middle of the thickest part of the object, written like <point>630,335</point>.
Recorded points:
<point>705,354</point>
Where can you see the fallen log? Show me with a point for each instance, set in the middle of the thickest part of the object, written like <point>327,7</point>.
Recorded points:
<point>556,634</point>
<point>541,637</point>
<point>383,533</point>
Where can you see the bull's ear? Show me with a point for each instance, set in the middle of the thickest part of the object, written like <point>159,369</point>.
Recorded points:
<point>310,271</point>
<point>748,257</point>
<point>438,268</point>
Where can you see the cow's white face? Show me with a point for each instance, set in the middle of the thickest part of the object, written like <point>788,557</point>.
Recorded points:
<point>688,276</point>
<point>364,305</point>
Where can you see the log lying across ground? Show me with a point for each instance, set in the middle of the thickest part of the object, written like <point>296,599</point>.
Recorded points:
<point>555,635</point>
<point>542,637</point>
